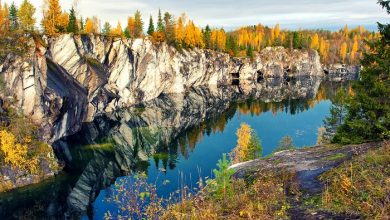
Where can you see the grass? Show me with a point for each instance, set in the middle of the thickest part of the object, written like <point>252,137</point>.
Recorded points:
<point>335,157</point>
<point>263,196</point>
<point>360,187</point>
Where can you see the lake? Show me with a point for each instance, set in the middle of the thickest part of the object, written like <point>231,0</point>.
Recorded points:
<point>176,138</point>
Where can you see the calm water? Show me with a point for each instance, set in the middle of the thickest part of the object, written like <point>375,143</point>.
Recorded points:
<point>178,137</point>
<point>202,159</point>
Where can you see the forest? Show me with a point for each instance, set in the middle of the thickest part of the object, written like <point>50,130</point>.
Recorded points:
<point>344,46</point>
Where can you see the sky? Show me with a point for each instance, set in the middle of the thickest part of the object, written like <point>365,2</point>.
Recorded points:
<point>230,14</point>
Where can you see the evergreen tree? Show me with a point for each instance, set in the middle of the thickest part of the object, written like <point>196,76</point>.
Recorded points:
<point>127,33</point>
<point>72,25</point>
<point>82,24</point>
<point>249,51</point>
<point>13,17</point>
<point>151,27</point>
<point>138,24</point>
<point>106,29</point>
<point>169,24</point>
<point>207,36</point>
<point>232,46</point>
<point>368,109</point>
<point>297,41</point>
<point>160,24</point>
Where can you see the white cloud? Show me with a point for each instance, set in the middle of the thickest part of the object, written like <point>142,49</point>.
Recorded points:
<point>234,13</point>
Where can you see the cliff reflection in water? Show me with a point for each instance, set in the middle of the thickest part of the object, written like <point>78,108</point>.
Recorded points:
<point>162,130</point>
<point>172,125</point>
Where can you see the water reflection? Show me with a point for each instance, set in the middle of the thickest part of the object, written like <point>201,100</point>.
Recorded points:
<point>166,129</point>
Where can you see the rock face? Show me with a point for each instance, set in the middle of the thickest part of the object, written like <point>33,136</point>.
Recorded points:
<point>72,79</point>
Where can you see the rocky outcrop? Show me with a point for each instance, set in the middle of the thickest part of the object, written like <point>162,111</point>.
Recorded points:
<point>73,78</point>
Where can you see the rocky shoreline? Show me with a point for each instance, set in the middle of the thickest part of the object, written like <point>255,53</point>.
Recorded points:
<point>65,81</point>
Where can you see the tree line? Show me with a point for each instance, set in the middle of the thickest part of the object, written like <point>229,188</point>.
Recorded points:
<point>344,46</point>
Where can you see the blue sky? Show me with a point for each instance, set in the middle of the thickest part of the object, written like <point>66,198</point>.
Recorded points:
<point>291,14</point>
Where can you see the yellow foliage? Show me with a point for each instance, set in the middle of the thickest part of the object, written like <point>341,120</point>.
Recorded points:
<point>277,31</point>
<point>343,51</point>
<point>15,154</point>
<point>355,48</point>
<point>131,26</point>
<point>54,21</point>
<point>324,49</point>
<point>117,31</point>
<point>179,30</point>
<point>218,39</point>
<point>158,37</point>
<point>243,141</point>
<point>4,21</point>
<point>90,27</point>
<point>315,44</point>
<point>26,15</point>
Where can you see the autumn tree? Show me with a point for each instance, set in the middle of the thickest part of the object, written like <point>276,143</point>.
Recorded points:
<point>343,51</point>
<point>179,31</point>
<point>218,39</point>
<point>169,24</point>
<point>354,50</point>
<point>13,17</point>
<point>193,36</point>
<point>138,24</point>
<point>248,145</point>
<point>72,25</point>
<point>54,21</point>
<point>117,31</point>
<point>131,26</point>
<point>315,43</point>
<point>151,26</point>
<point>91,27</point>
<point>4,21</point>
<point>26,16</point>
<point>324,49</point>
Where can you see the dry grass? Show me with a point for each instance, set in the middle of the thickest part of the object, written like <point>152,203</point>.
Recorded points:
<point>263,196</point>
<point>360,187</point>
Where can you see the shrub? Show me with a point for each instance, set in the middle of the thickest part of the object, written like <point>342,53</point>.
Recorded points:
<point>286,143</point>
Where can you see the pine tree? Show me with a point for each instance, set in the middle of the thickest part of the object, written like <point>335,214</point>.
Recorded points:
<point>151,27</point>
<point>82,25</point>
<point>160,24</point>
<point>72,25</point>
<point>26,16</point>
<point>249,52</point>
<point>368,110</point>
<point>13,17</point>
<point>138,24</point>
<point>126,32</point>
<point>169,24</point>
<point>106,28</point>
<point>297,40</point>
<point>207,37</point>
